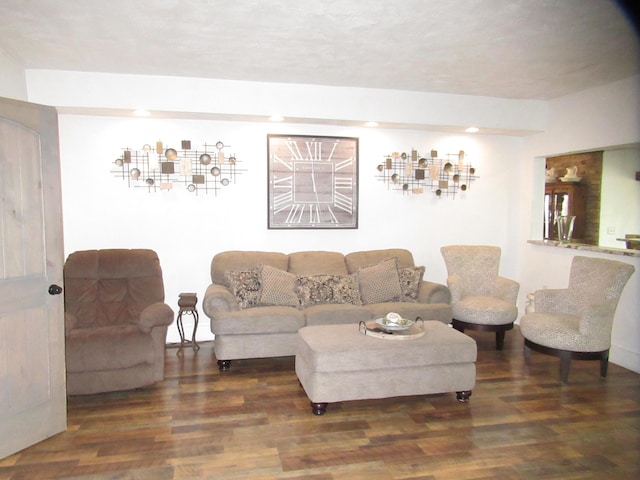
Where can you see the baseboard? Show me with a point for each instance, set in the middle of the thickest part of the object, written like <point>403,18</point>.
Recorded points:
<point>625,358</point>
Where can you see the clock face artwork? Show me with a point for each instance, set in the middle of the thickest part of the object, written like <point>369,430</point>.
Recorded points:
<point>313,182</point>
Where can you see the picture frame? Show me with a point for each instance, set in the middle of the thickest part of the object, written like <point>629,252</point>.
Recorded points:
<point>312,182</point>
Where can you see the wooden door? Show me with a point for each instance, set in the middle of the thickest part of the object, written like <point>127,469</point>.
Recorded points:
<point>32,368</point>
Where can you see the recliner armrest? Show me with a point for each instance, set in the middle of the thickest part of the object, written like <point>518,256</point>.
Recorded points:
<point>70,322</point>
<point>156,314</point>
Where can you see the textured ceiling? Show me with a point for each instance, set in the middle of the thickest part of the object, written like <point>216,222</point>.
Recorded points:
<point>535,49</point>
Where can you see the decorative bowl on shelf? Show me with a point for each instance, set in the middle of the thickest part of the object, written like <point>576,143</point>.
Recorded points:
<point>570,179</point>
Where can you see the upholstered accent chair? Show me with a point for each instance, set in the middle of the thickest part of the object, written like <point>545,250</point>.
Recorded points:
<point>481,299</point>
<point>115,320</point>
<point>576,322</point>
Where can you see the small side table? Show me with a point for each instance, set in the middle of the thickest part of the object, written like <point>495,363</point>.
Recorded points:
<point>187,303</point>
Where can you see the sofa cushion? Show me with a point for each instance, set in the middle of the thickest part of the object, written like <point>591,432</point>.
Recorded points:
<point>410,278</point>
<point>356,260</point>
<point>245,286</point>
<point>380,282</point>
<point>277,287</point>
<point>224,262</point>
<point>317,262</point>
<point>318,289</point>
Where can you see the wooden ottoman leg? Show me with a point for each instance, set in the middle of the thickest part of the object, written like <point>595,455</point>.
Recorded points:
<point>224,365</point>
<point>463,396</point>
<point>319,408</point>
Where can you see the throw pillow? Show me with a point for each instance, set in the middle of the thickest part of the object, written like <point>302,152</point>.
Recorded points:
<point>277,287</point>
<point>317,289</point>
<point>245,286</point>
<point>410,278</point>
<point>380,283</point>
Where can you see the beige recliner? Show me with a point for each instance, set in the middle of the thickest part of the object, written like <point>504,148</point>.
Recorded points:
<point>115,320</point>
<point>480,298</point>
<point>576,322</point>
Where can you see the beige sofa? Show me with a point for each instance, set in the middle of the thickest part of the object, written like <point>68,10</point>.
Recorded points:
<point>258,301</point>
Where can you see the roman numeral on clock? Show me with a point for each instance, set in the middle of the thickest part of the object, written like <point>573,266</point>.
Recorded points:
<point>277,159</point>
<point>344,183</point>
<point>295,150</point>
<point>343,202</point>
<point>314,151</point>
<point>295,214</point>
<point>344,164</point>
<point>283,182</point>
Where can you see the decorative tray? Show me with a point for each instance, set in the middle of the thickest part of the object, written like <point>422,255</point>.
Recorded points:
<point>374,328</point>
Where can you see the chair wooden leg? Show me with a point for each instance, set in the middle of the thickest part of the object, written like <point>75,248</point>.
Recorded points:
<point>457,326</point>
<point>565,363</point>
<point>527,355</point>
<point>500,339</point>
<point>604,364</point>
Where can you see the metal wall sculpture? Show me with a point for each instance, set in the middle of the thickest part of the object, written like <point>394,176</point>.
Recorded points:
<point>205,170</point>
<point>414,174</point>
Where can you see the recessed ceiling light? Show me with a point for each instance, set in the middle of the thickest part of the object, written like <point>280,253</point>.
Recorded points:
<point>472,130</point>
<point>371,124</point>
<point>276,118</point>
<point>141,113</point>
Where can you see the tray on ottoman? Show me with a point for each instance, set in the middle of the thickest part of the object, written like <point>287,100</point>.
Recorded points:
<point>337,363</point>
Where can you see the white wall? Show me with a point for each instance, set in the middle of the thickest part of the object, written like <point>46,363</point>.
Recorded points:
<point>12,80</point>
<point>591,120</point>
<point>619,196</point>
<point>504,207</point>
<point>187,230</point>
<point>197,97</point>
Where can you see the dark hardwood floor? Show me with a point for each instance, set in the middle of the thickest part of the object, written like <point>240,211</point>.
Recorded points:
<point>254,421</point>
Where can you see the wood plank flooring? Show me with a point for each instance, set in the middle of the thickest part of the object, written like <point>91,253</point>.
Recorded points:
<point>255,422</point>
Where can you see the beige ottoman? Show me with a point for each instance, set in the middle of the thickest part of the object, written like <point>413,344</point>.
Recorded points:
<point>336,363</point>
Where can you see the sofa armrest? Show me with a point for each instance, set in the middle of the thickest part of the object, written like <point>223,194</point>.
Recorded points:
<point>430,292</point>
<point>218,298</point>
<point>154,315</point>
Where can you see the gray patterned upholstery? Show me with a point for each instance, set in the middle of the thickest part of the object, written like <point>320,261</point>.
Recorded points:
<point>480,298</point>
<point>580,317</point>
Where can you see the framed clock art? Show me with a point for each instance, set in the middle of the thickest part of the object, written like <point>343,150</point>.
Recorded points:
<point>312,182</point>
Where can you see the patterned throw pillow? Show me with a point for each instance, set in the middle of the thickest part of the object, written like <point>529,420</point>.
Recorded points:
<point>277,287</point>
<point>380,283</point>
<point>245,286</point>
<point>318,289</point>
<point>410,278</point>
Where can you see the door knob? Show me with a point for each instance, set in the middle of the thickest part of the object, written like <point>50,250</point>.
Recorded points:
<point>55,289</point>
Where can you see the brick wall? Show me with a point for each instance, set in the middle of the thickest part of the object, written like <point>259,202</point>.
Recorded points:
<point>590,169</point>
